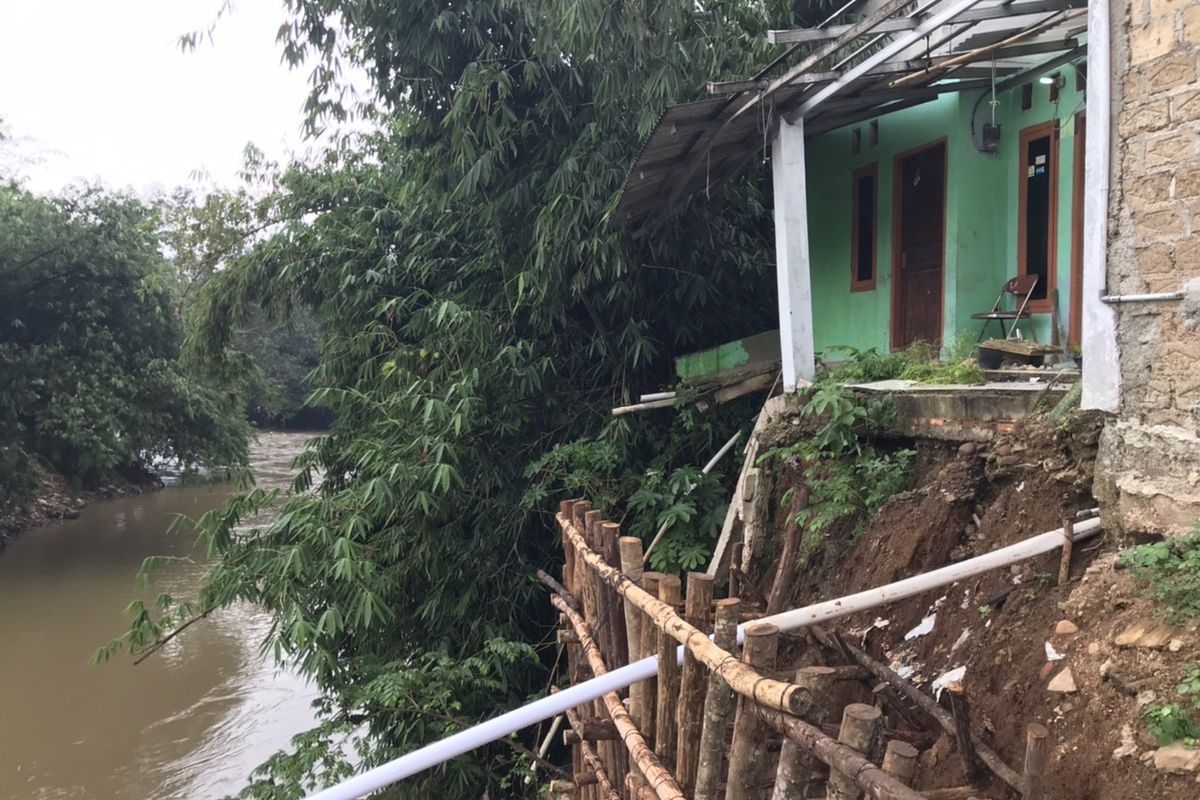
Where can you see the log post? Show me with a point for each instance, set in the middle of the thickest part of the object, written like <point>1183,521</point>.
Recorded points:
<point>665,722</point>
<point>631,565</point>
<point>795,763</point>
<point>859,724</point>
<point>602,779</point>
<point>649,646</point>
<point>735,568</point>
<point>598,620</point>
<point>1064,564</point>
<point>785,563</point>
<point>1035,762</point>
<point>718,705</point>
<point>618,656</point>
<point>900,761</point>
<point>747,752</point>
<point>927,704</point>
<point>579,584</point>
<point>960,707</point>
<point>692,683</point>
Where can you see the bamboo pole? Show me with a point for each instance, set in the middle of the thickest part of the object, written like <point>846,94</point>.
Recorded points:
<point>593,760</point>
<point>795,763</point>
<point>631,564</point>
<point>746,681</point>
<point>574,669</point>
<point>692,683</point>
<point>900,761</point>
<point>746,753</point>
<point>718,705</point>
<point>665,722</point>
<point>593,613</point>
<point>927,704</point>
<point>656,774</point>
<point>859,724</point>
<point>1035,761</point>
<point>649,646</point>
<point>870,778</point>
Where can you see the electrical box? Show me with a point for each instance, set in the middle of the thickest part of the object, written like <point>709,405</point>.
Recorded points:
<point>989,140</point>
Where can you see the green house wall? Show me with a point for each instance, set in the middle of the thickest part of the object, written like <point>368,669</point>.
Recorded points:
<point>982,193</point>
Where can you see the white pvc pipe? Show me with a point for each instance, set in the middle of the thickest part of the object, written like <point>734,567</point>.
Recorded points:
<point>433,754</point>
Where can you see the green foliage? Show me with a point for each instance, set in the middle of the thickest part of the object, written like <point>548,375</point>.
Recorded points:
<point>1172,722</point>
<point>93,384</point>
<point>479,317</point>
<point>916,363</point>
<point>1171,570</point>
<point>692,506</point>
<point>848,476</point>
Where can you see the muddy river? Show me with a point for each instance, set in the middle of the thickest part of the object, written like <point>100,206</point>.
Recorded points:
<point>190,722</point>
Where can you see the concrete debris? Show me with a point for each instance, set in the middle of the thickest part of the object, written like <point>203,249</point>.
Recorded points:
<point>1128,746</point>
<point>1063,682</point>
<point>1175,645</point>
<point>1177,758</point>
<point>1066,628</point>
<point>1147,634</point>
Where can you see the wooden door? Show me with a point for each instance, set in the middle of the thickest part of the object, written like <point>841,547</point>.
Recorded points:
<point>918,240</point>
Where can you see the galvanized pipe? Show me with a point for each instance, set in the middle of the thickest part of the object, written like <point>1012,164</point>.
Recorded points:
<point>1158,297</point>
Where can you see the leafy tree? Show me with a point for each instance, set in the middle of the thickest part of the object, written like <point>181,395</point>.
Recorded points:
<point>480,316</point>
<point>90,377</point>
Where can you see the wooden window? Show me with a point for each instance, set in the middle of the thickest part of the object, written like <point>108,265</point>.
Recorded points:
<point>1037,221</point>
<point>1026,96</point>
<point>864,218</point>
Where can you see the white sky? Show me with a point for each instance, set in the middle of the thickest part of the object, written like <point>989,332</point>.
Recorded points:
<point>99,89</point>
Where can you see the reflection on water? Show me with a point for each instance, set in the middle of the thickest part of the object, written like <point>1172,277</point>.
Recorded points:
<point>191,721</point>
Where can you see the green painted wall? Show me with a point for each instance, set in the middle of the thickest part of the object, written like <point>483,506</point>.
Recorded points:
<point>981,216</point>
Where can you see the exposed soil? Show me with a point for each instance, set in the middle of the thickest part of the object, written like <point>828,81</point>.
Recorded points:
<point>55,500</point>
<point>969,501</point>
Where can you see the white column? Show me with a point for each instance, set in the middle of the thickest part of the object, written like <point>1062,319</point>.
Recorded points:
<point>791,255</point>
<point>1101,361</point>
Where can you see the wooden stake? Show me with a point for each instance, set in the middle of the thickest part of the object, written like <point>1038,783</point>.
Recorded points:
<point>1064,563</point>
<point>795,763</point>
<point>927,704</point>
<point>718,706</point>
<point>735,569</point>
<point>785,564</point>
<point>859,723</point>
<point>692,683</point>
<point>659,778</point>
<point>747,752</point>
<point>779,695</point>
<point>1035,761</point>
<point>649,646</point>
<point>631,564</point>
<point>593,760</point>
<point>960,707</point>
<point>665,722</point>
<point>618,655</point>
<point>900,761</point>
<point>591,730</point>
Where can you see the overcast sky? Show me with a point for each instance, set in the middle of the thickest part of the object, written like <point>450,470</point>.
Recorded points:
<point>100,89</point>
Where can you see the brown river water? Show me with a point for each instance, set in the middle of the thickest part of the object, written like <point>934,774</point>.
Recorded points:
<point>189,723</point>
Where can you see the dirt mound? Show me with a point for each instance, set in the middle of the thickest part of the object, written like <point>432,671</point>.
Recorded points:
<point>969,500</point>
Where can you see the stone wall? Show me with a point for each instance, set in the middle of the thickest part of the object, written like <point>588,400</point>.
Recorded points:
<point>1148,478</point>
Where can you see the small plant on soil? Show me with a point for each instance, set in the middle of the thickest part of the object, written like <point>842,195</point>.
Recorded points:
<point>917,363</point>
<point>848,477</point>
<point>1170,722</point>
<point>1171,570</point>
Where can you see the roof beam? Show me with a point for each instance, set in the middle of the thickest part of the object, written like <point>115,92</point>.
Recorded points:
<point>897,45</point>
<point>1049,64</point>
<point>796,35</point>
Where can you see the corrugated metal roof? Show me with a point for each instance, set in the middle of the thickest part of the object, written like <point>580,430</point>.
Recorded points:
<point>699,146</point>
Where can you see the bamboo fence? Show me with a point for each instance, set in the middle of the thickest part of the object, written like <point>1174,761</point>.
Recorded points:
<point>701,728</point>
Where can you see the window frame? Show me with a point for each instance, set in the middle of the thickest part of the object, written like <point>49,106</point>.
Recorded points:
<point>1030,134</point>
<point>872,170</point>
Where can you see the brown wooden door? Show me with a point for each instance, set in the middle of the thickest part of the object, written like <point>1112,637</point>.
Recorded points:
<point>919,246</point>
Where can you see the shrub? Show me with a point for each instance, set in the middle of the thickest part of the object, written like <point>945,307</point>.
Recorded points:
<point>1171,570</point>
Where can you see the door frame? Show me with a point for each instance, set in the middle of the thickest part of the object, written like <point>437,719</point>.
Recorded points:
<point>1075,301</point>
<point>895,333</point>
<point>1027,135</point>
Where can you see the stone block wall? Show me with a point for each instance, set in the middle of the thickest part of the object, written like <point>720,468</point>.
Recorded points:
<point>1148,478</point>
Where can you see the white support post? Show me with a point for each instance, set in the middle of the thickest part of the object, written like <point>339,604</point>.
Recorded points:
<point>1101,363</point>
<point>791,255</point>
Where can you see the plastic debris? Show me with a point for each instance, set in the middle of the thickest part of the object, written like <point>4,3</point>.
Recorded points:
<point>1052,654</point>
<point>925,626</point>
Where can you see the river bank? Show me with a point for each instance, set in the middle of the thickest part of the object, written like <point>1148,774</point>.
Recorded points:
<point>55,500</point>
